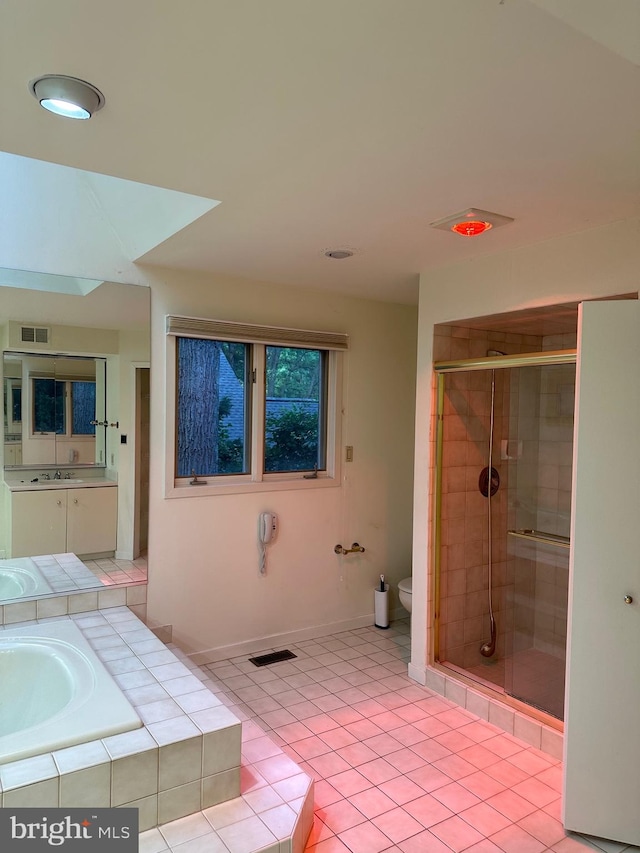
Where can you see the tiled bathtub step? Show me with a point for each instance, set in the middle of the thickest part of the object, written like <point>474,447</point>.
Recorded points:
<point>185,758</point>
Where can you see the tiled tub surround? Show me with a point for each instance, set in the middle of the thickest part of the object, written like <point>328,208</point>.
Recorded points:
<point>185,761</point>
<point>56,692</point>
<point>134,596</point>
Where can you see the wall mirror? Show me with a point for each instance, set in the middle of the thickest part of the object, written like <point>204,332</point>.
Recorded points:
<point>95,367</point>
<point>54,410</point>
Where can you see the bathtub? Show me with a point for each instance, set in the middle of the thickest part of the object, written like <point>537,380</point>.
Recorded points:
<point>20,578</point>
<point>55,692</point>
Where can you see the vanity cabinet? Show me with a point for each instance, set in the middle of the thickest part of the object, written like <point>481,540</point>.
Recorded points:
<point>12,453</point>
<point>57,521</point>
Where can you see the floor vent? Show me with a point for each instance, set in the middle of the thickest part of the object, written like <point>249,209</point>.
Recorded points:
<point>272,657</point>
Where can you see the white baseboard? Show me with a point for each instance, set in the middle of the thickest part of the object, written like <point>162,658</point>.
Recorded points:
<point>274,641</point>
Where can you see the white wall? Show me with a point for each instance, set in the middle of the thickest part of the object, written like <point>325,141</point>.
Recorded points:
<point>599,262</point>
<point>203,556</point>
<point>133,350</point>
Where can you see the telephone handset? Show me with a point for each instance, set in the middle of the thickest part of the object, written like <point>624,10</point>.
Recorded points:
<point>267,527</point>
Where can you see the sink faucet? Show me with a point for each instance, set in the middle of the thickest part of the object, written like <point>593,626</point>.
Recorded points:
<point>69,475</point>
<point>46,476</point>
<point>58,475</point>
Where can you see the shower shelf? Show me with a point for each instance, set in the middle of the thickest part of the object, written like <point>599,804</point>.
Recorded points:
<point>540,536</point>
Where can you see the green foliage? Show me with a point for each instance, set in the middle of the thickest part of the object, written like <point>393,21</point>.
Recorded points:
<point>293,372</point>
<point>292,440</point>
<point>230,450</point>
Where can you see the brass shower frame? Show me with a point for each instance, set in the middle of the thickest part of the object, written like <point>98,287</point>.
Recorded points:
<point>529,359</point>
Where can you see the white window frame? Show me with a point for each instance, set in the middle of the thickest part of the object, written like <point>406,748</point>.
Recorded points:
<point>334,344</point>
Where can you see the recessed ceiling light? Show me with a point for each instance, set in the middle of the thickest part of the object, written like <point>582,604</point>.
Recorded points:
<point>338,254</point>
<point>67,96</point>
<point>471,222</point>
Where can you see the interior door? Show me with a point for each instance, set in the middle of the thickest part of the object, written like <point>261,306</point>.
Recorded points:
<point>602,730</point>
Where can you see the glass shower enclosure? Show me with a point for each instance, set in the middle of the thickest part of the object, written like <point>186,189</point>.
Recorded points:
<point>503,483</point>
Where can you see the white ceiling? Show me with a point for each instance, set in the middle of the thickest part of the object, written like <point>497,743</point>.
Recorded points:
<point>342,123</point>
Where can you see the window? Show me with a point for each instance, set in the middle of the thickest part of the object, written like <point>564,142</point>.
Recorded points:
<point>58,403</point>
<point>295,407</point>
<point>255,411</point>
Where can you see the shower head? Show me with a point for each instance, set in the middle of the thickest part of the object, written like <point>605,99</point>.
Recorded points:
<point>491,353</point>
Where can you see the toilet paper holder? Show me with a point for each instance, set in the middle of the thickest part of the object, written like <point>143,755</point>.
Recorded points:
<point>354,548</point>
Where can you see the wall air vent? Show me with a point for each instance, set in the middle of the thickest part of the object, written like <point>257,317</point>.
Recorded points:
<point>34,335</point>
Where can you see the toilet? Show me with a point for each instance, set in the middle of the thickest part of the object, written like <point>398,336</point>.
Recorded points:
<point>404,590</point>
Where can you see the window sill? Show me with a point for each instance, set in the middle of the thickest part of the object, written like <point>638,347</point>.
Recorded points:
<point>250,487</point>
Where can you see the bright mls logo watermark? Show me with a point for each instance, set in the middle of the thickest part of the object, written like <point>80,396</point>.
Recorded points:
<point>69,830</point>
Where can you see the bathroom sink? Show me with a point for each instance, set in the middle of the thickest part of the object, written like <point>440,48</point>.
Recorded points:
<point>52,482</point>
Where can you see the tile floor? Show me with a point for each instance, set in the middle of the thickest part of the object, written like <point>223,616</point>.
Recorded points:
<point>398,768</point>
<point>110,571</point>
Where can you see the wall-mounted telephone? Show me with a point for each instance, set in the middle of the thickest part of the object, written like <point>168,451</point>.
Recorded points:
<point>267,527</point>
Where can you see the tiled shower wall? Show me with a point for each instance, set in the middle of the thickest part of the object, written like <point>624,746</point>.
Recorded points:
<point>464,605</point>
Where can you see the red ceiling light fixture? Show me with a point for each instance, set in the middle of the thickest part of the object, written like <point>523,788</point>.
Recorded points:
<point>471,222</point>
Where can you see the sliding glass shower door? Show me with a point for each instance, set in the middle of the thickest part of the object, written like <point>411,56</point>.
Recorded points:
<point>539,457</point>
<point>505,456</point>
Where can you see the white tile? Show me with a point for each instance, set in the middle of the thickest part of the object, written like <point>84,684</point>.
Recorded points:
<point>179,802</point>
<point>143,646</point>
<point>435,681</point>
<point>280,820</point>
<point>204,844</point>
<point>551,742</point>
<point>527,730</point>
<point>39,795</point>
<point>159,711</point>
<point>27,771</point>
<point>247,835</point>
<point>111,598</point>
<point>170,731</point>
<point>197,701</point>
<point>263,799</point>
<point>134,777</point>
<point>180,763</point>
<point>24,611</point>
<point>81,756</point>
<point>89,787</point>
<point>138,678</point>
<point>455,692</point>
<point>221,750</point>
<point>179,686</point>
<point>501,717</point>
<point>83,601</point>
<point>46,607</point>
<point>477,704</point>
<point>167,671</point>
<point>147,811</point>
<point>151,841</point>
<point>146,694</point>
<point>229,812</point>
<point>137,594</point>
<point>185,828</point>
<point>220,787</point>
<point>129,743</point>
<point>213,719</point>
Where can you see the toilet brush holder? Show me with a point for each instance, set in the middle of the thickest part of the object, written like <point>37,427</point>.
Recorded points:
<point>381,607</point>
